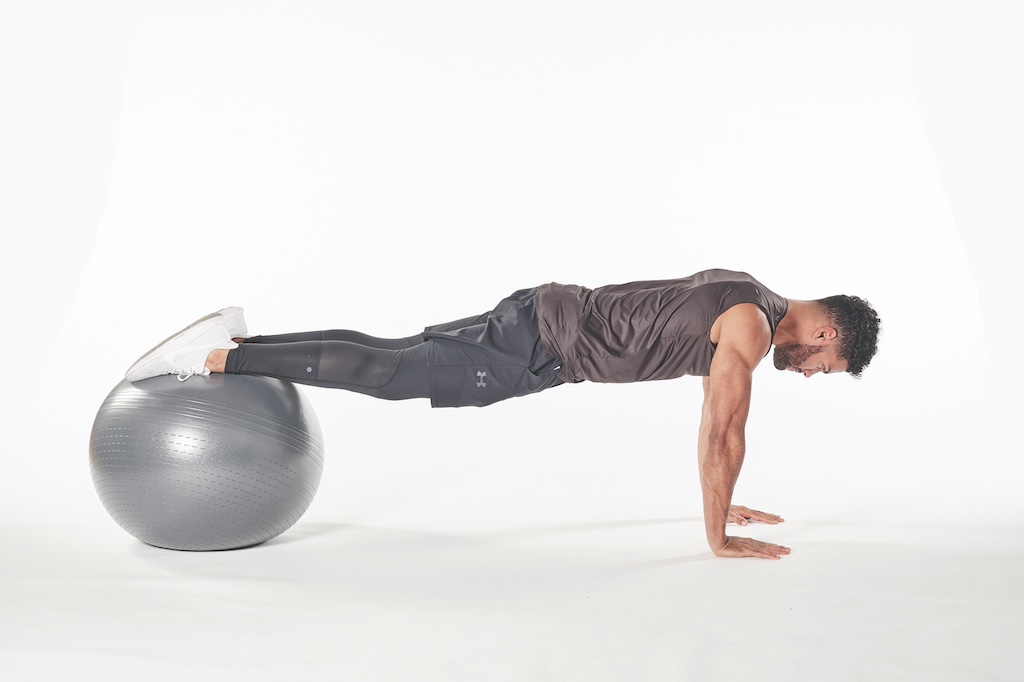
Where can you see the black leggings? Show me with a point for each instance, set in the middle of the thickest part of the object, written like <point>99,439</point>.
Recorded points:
<point>392,369</point>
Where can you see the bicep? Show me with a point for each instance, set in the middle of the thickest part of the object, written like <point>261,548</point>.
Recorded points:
<point>727,394</point>
<point>744,338</point>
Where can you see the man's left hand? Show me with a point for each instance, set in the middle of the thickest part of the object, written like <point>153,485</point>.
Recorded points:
<point>742,516</point>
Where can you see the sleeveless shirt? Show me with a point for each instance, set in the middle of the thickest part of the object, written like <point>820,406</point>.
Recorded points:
<point>644,331</point>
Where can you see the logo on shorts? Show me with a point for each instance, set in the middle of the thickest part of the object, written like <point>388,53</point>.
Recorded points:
<point>480,383</point>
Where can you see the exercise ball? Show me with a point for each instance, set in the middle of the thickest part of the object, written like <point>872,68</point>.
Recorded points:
<point>211,463</point>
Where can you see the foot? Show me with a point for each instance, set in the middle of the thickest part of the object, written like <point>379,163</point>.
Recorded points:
<point>185,352</point>
<point>234,322</point>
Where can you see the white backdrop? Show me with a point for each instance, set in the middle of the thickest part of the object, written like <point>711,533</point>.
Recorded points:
<point>382,166</point>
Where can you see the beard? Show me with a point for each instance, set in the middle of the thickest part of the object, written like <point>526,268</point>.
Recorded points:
<point>793,354</point>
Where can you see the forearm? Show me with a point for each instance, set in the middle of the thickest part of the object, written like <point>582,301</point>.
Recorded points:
<point>720,463</point>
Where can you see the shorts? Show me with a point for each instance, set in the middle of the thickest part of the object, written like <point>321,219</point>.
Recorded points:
<point>481,360</point>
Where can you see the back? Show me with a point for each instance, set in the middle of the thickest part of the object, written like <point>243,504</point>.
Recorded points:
<point>644,331</point>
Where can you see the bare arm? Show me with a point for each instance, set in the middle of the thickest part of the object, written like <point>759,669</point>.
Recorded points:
<point>744,338</point>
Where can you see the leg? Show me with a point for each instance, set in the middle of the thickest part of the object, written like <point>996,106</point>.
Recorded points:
<point>340,335</point>
<point>202,348</point>
<point>391,374</point>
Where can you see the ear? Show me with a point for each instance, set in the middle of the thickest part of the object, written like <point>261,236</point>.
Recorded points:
<point>825,334</point>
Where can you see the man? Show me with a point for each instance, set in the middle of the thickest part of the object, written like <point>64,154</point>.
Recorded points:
<point>717,324</point>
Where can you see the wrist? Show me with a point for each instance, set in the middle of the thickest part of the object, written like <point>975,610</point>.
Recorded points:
<point>717,542</point>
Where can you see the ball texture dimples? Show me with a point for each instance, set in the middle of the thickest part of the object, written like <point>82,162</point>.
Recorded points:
<point>210,463</point>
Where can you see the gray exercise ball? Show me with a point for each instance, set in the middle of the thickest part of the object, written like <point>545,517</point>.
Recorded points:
<point>210,463</point>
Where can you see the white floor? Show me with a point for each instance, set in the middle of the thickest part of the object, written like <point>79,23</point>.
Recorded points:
<point>622,600</point>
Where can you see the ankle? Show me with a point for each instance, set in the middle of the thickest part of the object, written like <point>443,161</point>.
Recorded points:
<point>216,360</point>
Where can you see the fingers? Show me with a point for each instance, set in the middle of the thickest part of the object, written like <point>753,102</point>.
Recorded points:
<point>748,547</point>
<point>770,551</point>
<point>764,517</point>
<point>764,550</point>
<point>744,515</point>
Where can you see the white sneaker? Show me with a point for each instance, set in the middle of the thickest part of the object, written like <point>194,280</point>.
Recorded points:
<point>185,352</point>
<point>234,322</point>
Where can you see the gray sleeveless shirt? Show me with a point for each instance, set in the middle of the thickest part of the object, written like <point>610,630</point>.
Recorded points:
<point>644,331</point>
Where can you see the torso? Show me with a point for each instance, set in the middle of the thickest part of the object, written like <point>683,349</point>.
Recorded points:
<point>646,331</point>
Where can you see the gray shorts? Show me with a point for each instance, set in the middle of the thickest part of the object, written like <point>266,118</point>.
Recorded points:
<point>480,360</point>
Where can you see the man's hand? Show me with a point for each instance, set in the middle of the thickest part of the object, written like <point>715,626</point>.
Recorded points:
<point>742,516</point>
<point>740,547</point>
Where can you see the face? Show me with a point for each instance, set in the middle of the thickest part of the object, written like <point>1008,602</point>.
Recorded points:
<point>808,359</point>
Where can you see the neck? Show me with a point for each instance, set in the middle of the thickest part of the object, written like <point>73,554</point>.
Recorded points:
<point>798,315</point>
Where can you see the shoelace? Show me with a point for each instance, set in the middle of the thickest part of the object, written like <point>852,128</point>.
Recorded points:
<point>193,372</point>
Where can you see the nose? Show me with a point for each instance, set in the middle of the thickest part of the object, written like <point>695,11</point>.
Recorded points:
<point>808,373</point>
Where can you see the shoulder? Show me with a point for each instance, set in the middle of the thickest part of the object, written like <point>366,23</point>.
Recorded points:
<point>743,330</point>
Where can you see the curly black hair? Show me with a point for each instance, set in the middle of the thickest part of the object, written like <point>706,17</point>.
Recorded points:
<point>858,325</point>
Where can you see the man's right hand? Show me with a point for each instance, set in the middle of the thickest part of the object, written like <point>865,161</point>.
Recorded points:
<point>743,547</point>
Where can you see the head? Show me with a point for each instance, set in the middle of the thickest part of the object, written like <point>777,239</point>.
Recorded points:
<point>844,340</point>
